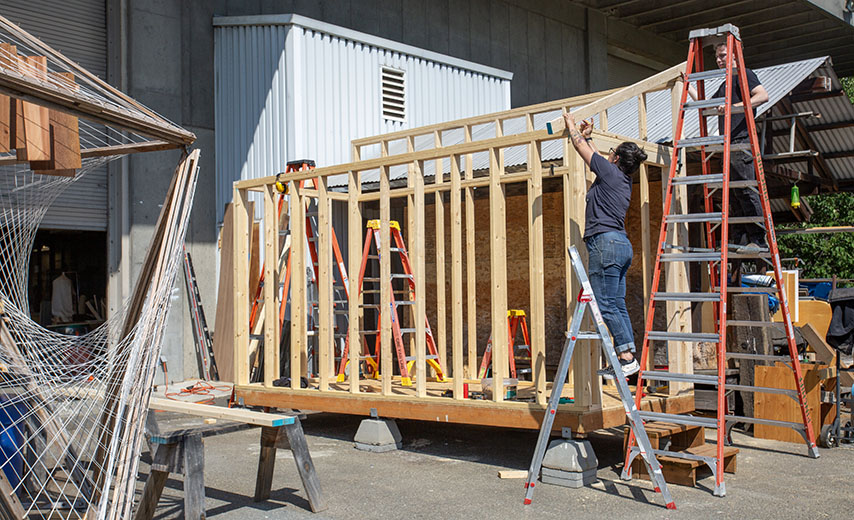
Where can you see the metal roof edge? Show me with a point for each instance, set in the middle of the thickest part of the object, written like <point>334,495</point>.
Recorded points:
<point>368,39</point>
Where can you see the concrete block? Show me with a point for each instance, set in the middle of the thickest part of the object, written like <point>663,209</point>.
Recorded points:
<point>570,455</point>
<point>378,435</point>
<point>570,479</point>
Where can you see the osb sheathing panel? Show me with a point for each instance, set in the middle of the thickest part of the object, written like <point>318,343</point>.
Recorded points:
<point>517,265</point>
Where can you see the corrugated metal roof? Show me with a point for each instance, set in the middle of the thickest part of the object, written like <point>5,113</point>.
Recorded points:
<point>779,80</point>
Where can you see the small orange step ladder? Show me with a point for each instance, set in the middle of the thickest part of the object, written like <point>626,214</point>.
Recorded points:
<point>515,319</point>
<point>404,362</point>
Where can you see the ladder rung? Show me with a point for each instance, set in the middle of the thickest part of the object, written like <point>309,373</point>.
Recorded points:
<point>700,179</point>
<point>768,290</point>
<point>662,335</point>
<point>739,256</point>
<point>311,213</point>
<point>407,330</point>
<point>368,332</point>
<point>706,422</point>
<point>763,390</point>
<point>686,297</point>
<point>369,305</point>
<point>707,74</point>
<point>713,111</point>
<point>428,356</point>
<point>743,184</point>
<point>680,455</point>
<point>584,334</point>
<point>370,279</point>
<point>397,250</point>
<point>747,323</point>
<point>696,142</point>
<point>768,422</point>
<point>733,147</point>
<point>704,103</point>
<point>343,312</point>
<point>404,302</point>
<point>402,275</point>
<point>694,217</point>
<point>758,357</point>
<point>373,257</point>
<point>661,375</point>
<point>746,220</point>
<point>690,257</point>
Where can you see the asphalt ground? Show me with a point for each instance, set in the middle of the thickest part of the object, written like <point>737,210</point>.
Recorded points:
<point>451,471</point>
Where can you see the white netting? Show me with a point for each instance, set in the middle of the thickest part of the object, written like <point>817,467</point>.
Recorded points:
<point>67,447</point>
<point>72,408</point>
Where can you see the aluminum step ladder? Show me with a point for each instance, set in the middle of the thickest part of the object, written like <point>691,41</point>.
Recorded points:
<point>633,414</point>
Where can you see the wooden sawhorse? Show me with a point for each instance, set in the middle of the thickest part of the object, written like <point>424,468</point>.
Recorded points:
<point>182,451</point>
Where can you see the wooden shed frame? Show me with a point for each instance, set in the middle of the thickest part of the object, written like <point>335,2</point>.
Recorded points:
<point>593,407</point>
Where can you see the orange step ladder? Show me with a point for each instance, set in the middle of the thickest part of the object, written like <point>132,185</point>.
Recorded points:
<point>515,320</point>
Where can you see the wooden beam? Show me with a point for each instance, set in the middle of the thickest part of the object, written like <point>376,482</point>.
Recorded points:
<point>150,123</point>
<point>536,272</point>
<point>679,357</point>
<point>812,96</point>
<point>498,274</point>
<point>272,328</point>
<point>457,371</point>
<point>299,311</point>
<point>816,230</point>
<point>439,237</point>
<point>36,117</point>
<point>471,263</point>
<point>420,275</point>
<point>838,155</point>
<point>354,246</point>
<point>830,126</point>
<point>240,292</point>
<point>385,283</point>
<point>656,82</point>
<point>220,412</point>
<point>325,307</point>
<point>64,141</point>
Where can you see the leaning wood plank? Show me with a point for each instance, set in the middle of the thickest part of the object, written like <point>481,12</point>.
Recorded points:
<point>155,483</point>
<point>9,499</point>
<point>36,117</point>
<point>658,81</point>
<point>223,339</point>
<point>824,352</point>
<point>220,412</point>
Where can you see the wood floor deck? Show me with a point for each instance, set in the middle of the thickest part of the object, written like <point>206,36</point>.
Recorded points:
<point>521,412</point>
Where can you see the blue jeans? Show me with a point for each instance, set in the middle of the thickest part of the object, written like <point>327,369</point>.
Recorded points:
<point>609,257</point>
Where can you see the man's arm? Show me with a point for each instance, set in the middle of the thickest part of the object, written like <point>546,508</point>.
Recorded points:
<point>578,141</point>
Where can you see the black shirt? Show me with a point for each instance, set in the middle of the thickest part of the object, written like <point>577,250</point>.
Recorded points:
<point>739,125</point>
<point>607,199</point>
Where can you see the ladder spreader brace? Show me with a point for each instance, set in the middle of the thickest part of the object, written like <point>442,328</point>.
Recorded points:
<point>714,256</point>
<point>587,299</point>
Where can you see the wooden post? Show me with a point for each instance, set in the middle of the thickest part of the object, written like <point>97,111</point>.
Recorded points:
<point>536,273</point>
<point>299,344</point>
<point>194,477</point>
<point>456,280</point>
<point>418,271</point>
<point>471,261</point>
<point>647,258</point>
<point>679,355</point>
<point>603,120</point>
<point>272,330</point>
<point>498,273</point>
<point>571,235</point>
<point>441,289</point>
<point>326,342</point>
<point>240,313</point>
<point>385,282</point>
<point>355,227</point>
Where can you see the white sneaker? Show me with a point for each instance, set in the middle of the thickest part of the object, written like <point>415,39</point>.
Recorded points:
<point>628,368</point>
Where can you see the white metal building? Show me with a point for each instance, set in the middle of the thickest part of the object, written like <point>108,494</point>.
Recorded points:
<point>290,87</point>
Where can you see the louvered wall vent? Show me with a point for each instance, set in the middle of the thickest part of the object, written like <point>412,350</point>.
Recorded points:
<point>394,94</point>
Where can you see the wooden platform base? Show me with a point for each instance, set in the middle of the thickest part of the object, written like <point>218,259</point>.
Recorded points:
<point>685,472</point>
<point>403,404</point>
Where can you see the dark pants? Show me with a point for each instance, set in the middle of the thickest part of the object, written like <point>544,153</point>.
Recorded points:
<point>744,202</point>
<point>609,258</point>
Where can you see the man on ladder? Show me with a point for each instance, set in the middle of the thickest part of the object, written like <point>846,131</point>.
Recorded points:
<point>747,237</point>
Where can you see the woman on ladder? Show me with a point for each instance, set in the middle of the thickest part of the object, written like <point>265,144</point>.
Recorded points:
<point>608,248</point>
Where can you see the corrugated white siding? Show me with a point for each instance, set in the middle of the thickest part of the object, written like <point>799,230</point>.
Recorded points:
<point>302,89</point>
<point>78,29</point>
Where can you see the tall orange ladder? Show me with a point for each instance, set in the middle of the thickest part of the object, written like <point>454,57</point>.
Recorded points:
<point>341,287</point>
<point>716,258</point>
<point>515,321</point>
<point>404,362</point>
